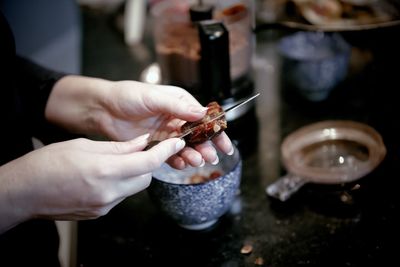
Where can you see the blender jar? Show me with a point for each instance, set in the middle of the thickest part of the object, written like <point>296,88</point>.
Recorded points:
<point>178,47</point>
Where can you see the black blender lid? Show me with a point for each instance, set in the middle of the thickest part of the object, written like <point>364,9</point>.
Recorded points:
<point>201,11</point>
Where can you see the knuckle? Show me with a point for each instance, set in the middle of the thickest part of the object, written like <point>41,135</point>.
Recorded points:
<point>117,147</point>
<point>102,198</point>
<point>102,170</point>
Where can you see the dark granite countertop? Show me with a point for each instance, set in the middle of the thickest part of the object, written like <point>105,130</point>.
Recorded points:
<point>315,227</point>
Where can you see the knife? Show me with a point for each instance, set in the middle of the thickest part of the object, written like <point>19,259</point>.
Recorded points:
<point>191,130</point>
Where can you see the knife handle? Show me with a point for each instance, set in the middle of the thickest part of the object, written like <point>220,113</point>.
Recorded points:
<point>151,144</point>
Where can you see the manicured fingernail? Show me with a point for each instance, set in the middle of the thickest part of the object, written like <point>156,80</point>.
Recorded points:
<point>179,145</point>
<point>230,153</point>
<point>202,163</point>
<point>215,162</point>
<point>144,137</point>
<point>198,109</point>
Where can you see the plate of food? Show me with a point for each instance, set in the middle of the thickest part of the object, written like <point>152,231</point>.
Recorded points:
<point>339,15</point>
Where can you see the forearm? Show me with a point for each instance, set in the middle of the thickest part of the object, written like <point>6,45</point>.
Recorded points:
<point>75,103</point>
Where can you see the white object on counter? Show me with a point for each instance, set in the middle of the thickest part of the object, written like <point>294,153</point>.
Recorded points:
<point>134,19</point>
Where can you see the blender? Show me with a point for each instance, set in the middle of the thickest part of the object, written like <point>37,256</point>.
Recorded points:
<point>206,48</point>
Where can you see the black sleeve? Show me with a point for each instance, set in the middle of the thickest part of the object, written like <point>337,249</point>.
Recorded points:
<point>24,90</point>
<point>35,84</point>
<point>34,88</point>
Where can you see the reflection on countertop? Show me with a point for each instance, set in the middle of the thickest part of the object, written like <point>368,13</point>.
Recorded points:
<point>336,225</point>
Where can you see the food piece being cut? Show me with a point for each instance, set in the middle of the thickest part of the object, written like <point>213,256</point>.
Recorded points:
<point>199,178</point>
<point>207,128</point>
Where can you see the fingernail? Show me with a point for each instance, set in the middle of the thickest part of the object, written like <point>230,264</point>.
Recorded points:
<point>202,163</point>
<point>198,109</point>
<point>179,145</point>
<point>215,162</point>
<point>144,137</point>
<point>230,153</point>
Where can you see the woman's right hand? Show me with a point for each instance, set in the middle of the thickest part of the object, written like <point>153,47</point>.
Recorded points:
<point>77,179</point>
<point>123,110</point>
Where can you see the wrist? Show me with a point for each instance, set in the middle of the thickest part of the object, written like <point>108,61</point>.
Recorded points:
<point>76,103</point>
<point>14,207</point>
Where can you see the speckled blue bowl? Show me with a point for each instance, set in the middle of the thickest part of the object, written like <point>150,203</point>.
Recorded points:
<point>314,62</point>
<point>197,206</point>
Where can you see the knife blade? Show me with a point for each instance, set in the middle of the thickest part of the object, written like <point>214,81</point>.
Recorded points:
<point>220,115</point>
<point>238,105</point>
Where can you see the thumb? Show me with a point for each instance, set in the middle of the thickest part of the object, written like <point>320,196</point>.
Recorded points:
<point>181,108</point>
<point>148,161</point>
<point>168,147</point>
<point>117,147</point>
<point>141,162</point>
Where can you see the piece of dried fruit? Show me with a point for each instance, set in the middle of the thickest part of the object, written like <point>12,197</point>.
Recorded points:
<point>206,128</point>
<point>214,175</point>
<point>198,178</point>
<point>259,261</point>
<point>246,249</point>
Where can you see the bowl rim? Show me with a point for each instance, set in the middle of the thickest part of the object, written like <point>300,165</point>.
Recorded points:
<point>235,166</point>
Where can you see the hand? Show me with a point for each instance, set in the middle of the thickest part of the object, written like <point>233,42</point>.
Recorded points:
<point>77,179</point>
<point>126,109</point>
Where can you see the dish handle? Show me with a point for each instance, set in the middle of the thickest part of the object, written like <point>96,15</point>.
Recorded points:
<point>285,186</point>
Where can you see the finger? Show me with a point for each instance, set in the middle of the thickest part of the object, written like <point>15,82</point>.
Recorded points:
<point>121,190</point>
<point>114,147</point>
<point>168,128</point>
<point>178,92</point>
<point>176,162</point>
<point>223,143</point>
<point>134,184</point>
<point>192,157</point>
<point>142,162</point>
<point>208,152</point>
